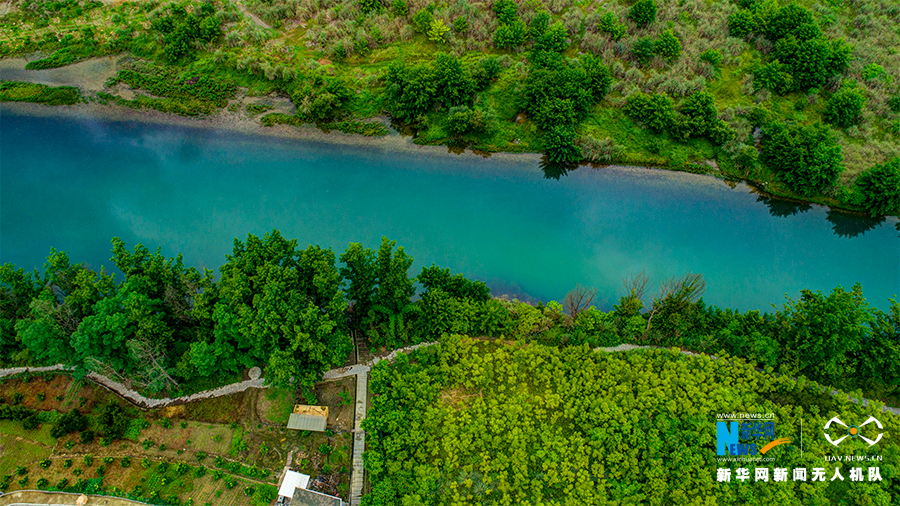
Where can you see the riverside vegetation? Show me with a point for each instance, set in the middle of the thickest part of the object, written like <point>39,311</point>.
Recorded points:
<point>654,83</point>
<point>168,328</point>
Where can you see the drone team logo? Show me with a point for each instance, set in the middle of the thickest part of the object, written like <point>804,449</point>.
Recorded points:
<point>853,431</point>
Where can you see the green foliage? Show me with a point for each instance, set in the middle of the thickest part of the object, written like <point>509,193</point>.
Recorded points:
<point>844,108</point>
<point>422,20</point>
<point>822,335</point>
<point>112,420</point>
<point>437,31</point>
<point>181,30</point>
<point>807,158</point>
<point>610,24</point>
<point>533,409</point>
<point>411,90</point>
<point>643,50</point>
<point>453,85</point>
<point>369,6</point>
<point>656,111</point>
<point>510,35</point>
<point>559,93</point>
<point>667,45</point>
<point>554,38</point>
<point>775,76</point>
<point>400,7</point>
<point>435,278</point>
<point>741,24</point>
<point>267,277</point>
<point>539,24</point>
<point>713,56</point>
<point>505,11</point>
<point>560,145</point>
<point>643,12</point>
<point>15,91</point>
<point>73,421</point>
<point>880,188</point>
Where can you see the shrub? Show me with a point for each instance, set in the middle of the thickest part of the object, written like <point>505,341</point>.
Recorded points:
<point>162,467</point>
<point>44,463</point>
<point>610,24</point>
<point>437,31</point>
<point>67,463</point>
<point>643,12</point>
<point>667,45</point>
<point>510,35</point>
<point>741,24</point>
<point>42,483</point>
<point>713,56</point>
<point>87,437</point>
<point>807,158</point>
<point>845,107</point>
<point>400,8</point>
<point>560,145</point>
<point>73,421</point>
<point>108,460</point>
<point>422,20</point>
<point>880,188</point>
<point>774,76</point>
<point>656,111</point>
<point>88,460</point>
<point>367,6</point>
<point>642,50</point>
<point>146,463</point>
<point>126,461</point>
<point>30,423</point>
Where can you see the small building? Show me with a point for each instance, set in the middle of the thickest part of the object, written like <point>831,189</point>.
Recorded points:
<point>308,418</point>
<point>291,482</point>
<point>304,497</point>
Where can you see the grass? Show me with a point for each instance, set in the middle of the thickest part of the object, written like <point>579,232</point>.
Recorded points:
<point>40,435</point>
<point>15,91</point>
<point>18,452</point>
<point>280,405</point>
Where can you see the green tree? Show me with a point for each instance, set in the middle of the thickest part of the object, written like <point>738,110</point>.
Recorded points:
<point>411,90</point>
<point>820,335</point>
<point>667,45</point>
<point>388,319</point>
<point>437,31</point>
<point>610,24</point>
<point>287,305</point>
<point>845,107</point>
<point>17,290</point>
<point>361,273</point>
<point>656,111</point>
<point>456,286</point>
<point>41,333</point>
<point>642,50</point>
<point>367,6</point>
<point>554,38</point>
<point>510,35</point>
<point>880,188</point>
<point>643,12</point>
<point>560,145</point>
<point>807,158</point>
<point>453,86</point>
<point>505,11</point>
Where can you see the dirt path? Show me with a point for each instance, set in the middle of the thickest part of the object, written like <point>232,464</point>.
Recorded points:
<point>246,12</point>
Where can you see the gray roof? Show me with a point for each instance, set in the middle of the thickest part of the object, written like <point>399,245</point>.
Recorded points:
<point>306,422</point>
<point>303,497</point>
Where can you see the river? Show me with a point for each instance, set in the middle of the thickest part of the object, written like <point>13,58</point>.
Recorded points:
<point>73,184</point>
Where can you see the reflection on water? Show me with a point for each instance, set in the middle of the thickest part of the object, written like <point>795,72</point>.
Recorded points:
<point>555,170</point>
<point>848,225</point>
<point>783,208</point>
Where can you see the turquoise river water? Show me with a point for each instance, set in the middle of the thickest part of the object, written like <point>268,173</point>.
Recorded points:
<point>73,184</point>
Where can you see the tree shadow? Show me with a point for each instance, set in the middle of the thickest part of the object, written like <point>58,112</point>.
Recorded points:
<point>850,225</point>
<point>783,208</point>
<point>555,170</point>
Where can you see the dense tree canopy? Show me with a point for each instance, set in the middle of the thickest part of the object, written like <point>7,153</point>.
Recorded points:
<point>807,158</point>
<point>880,187</point>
